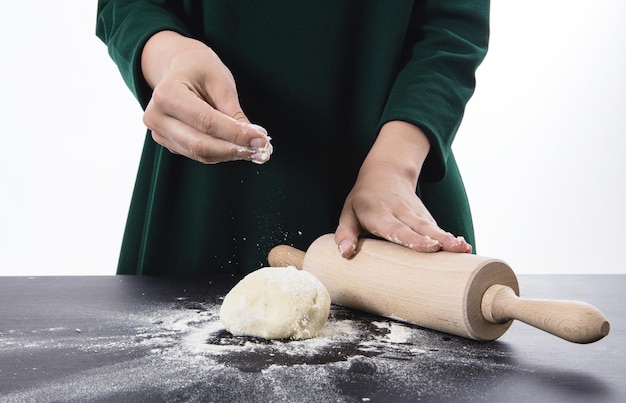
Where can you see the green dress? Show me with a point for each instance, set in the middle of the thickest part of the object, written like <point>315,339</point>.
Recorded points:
<point>322,77</point>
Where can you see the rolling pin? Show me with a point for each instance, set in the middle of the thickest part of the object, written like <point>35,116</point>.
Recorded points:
<point>462,294</point>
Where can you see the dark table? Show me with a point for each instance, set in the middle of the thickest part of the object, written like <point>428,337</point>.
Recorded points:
<point>127,338</point>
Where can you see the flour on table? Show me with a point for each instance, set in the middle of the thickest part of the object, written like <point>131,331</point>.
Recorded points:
<point>180,350</point>
<point>397,333</point>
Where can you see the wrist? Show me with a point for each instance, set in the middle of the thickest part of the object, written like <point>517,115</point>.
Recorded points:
<point>400,147</point>
<point>160,52</point>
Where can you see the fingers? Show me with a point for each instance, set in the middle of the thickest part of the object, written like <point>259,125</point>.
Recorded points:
<point>456,244</point>
<point>424,235</point>
<point>397,231</point>
<point>187,125</point>
<point>414,229</point>
<point>201,148</point>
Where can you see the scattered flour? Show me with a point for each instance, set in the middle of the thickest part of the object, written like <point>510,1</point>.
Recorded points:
<point>397,333</point>
<point>181,352</point>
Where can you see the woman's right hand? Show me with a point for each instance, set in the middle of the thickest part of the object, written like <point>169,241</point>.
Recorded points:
<point>194,110</point>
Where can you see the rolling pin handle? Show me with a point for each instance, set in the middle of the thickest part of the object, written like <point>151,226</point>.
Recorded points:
<point>285,255</point>
<point>574,321</point>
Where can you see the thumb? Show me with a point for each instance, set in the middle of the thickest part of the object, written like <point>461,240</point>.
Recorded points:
<point>347,233</point>
<point>247,134</point>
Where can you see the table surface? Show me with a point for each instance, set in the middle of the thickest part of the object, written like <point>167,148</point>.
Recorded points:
<point>133,338</point>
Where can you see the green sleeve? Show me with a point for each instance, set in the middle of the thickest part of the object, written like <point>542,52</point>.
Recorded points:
<point>436,80</point>
<point>125,26</point>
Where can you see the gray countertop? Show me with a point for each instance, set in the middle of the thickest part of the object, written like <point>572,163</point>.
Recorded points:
<point>132,338</point>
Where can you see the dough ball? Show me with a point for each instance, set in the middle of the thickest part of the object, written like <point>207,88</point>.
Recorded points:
<point>276,303</point>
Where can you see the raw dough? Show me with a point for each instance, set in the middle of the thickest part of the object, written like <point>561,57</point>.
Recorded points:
<point>276,303</point>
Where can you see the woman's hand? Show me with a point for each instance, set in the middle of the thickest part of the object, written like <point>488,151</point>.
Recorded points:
<point>194,110</point>
<point>383,200</point>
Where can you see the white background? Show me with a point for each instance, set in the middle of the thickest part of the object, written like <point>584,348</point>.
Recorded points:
<point>541,148</point>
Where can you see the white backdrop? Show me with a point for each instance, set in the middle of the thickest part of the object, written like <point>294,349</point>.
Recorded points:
<point>541,147</point>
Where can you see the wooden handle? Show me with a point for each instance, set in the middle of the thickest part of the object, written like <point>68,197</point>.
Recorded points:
<point>285,255</point>
<point>574,321</point>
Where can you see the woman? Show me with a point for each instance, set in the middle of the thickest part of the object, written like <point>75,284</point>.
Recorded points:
<point>361,99</point>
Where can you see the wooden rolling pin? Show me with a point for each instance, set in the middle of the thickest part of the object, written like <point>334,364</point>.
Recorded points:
<point>462,294</point>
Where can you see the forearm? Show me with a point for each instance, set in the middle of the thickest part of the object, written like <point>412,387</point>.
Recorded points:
<point>125,26</point>
<point>447,43</point>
